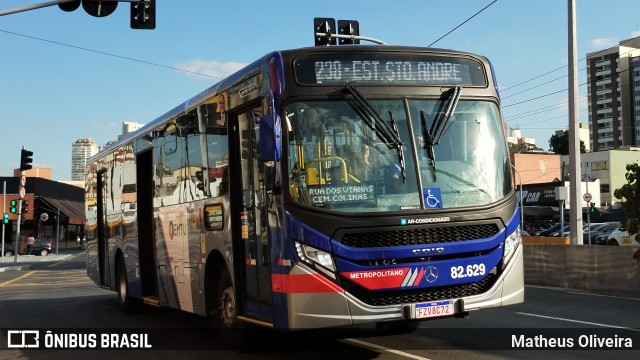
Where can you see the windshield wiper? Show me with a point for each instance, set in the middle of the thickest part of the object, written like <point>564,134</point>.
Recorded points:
<point>428,144</point>
<point>399,147</point>
<point>442,123</point>
<point>389,134</point>
<point>439,126</point>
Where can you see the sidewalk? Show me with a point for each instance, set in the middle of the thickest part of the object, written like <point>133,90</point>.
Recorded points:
<point>24,262</point>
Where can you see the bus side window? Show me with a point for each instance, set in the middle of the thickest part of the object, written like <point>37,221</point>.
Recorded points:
<point>218,153</point>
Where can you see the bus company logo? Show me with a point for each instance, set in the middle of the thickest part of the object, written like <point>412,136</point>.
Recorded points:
<point>177,230</point>
<point>430,220</point>
<point>431,274</point>
<point>428,251</point>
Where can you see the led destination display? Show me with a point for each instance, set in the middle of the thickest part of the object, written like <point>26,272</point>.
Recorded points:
<point>386,69</point>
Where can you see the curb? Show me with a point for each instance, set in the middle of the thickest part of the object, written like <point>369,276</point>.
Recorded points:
<point>15,268</point>
<point>28,266</point>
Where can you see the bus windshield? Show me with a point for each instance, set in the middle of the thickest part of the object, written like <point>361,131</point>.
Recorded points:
<point>341,161</point>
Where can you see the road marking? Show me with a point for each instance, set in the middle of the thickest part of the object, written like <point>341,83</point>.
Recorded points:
<point>383,348</point>
<point>580,293</point>
<point>578,321</point>
<point>607,296</point>
<point>8,282</point>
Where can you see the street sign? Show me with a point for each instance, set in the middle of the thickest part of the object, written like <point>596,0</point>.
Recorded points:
<point>22,192</point>
<point>586,197</point>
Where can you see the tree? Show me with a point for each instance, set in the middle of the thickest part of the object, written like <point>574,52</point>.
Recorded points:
<point>630,192</point>
<point>522,148</point>
<point>559,144</point>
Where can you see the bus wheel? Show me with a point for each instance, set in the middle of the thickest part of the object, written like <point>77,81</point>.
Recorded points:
<point>128,304</point>
<point>398,327</point>
<point>232,330</point>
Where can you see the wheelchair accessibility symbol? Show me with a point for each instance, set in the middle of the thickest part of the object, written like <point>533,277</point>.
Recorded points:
<point>432,197</point>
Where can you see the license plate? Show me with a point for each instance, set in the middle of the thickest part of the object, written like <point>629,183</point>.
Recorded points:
<point>434,309</point>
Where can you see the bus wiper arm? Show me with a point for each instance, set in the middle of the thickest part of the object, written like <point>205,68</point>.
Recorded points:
<point>375,121</point>
<point>428,143</point>
<point>399,147</point>
<point>442,123</point>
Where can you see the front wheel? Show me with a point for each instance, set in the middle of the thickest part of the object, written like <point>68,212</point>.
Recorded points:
<point>8,253</point>
<point>44,252</point>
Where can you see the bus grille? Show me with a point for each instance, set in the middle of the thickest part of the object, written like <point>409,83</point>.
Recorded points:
<point>423,236</point>
<point>382,298</point>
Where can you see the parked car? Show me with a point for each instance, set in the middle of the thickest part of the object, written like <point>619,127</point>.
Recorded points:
<point>618,237</point>
<point>601,229</point>
<point>40,247</point>
<point>546,232</point>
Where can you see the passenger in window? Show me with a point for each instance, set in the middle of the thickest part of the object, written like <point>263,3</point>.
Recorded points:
<point>363,168</point>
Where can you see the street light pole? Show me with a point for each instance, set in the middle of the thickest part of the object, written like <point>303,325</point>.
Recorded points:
<point>574,140</point>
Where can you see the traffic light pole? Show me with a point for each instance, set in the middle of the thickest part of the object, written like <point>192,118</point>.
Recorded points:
<point>4,210</point>
<point>16,247</point>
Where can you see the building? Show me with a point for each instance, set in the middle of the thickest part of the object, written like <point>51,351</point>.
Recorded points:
<point>609,167</point>
<point>613,87</point>
<point>516,138</point>
<point>536,168</point>
<point>129,127</point>
<point>81,150</point>
<point>53,210</point>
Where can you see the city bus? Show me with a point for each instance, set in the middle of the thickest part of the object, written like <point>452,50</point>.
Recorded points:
<point>328,186</point>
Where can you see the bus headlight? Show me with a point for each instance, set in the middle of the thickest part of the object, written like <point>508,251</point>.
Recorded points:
<point>315,256</point>
<point>510,245</point>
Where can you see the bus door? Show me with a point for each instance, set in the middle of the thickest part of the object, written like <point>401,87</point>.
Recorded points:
<point>101,235</point>
<point>251,221</point>
<point>146,243</point>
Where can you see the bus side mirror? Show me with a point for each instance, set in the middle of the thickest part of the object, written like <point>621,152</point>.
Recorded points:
<point>270,138</point>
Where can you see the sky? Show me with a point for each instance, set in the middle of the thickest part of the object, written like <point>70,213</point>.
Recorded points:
<point>68,75</point>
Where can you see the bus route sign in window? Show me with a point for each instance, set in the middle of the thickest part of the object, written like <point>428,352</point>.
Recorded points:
<point>385,69</point>
<point>342,194</point>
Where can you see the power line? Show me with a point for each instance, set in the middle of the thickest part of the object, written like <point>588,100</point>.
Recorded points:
<point>455,28</point>
<point>108,54</point>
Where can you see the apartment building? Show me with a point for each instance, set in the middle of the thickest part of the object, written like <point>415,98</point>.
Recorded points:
<point>613,80</point>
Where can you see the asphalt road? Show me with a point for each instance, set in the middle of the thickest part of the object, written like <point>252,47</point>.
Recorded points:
<point>56,295</point>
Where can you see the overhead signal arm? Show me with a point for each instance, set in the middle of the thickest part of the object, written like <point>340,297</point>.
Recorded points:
<point>143,12</point>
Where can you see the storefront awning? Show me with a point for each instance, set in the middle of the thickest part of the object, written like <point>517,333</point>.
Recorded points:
<point>74,210</point>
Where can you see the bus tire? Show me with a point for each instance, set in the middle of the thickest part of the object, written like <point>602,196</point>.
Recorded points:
<point>128,304</point>
<point>225,319</point>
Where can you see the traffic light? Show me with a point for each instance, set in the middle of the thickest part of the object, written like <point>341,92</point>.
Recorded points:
<point>25,206</point>
<point>13,206</point>
<point>25,159</point>
<point>592,207</point>
<point>70,5</point>
<point>326,27</point>
<point>5,218</point>
<point>143,14</point>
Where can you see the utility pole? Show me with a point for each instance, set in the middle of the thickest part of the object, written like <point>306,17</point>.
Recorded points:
<point>575,179</point>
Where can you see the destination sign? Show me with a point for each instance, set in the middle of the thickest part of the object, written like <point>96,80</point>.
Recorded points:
<point>342,194</point>
<point>390,69</point>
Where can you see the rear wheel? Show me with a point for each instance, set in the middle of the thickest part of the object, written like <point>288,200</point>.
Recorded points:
<point>8,253</point>
<point>128,304</point>
<point>225,317</point>
<point>612,242</point>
